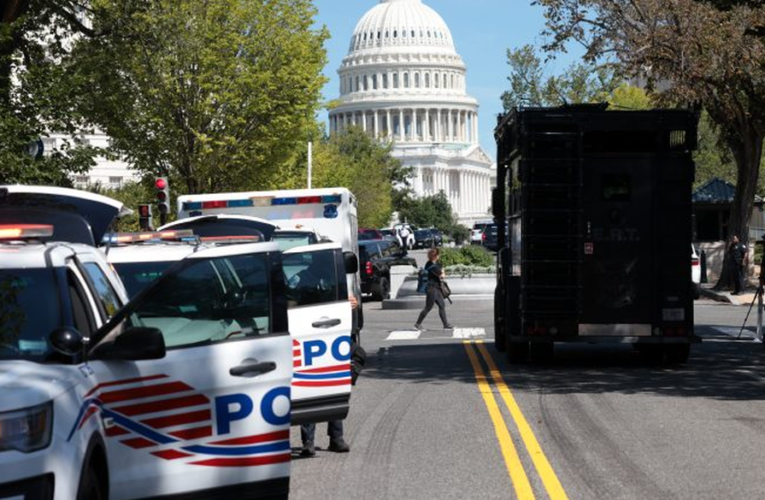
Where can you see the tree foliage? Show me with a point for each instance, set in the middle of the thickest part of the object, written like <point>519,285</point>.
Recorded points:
<point>215,94</point>
<point>354,160</point>
<point>700,54</point>
<point>38,90</point>
<point>434,211</point>
<point>530,84</point>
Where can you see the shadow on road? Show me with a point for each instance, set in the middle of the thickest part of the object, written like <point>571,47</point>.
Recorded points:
<point>720,368</point>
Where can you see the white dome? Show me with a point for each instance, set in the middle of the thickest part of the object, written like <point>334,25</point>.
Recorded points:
<point>401,23</point>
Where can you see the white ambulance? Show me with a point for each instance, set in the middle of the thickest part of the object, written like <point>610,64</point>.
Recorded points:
<point>173,395</point>
<point>322,325</point>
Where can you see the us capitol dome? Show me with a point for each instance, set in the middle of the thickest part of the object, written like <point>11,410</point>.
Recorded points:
<point>404,81</point>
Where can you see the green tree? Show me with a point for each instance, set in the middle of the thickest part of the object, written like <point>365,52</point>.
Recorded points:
<point>38,90</point>
<point>354,160</point>
<point>215,94</point>
<point>579,83</point>
<point>434,211</point>
<point>702,55</point>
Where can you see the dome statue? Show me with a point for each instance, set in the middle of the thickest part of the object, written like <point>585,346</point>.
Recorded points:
<point>403,81</point>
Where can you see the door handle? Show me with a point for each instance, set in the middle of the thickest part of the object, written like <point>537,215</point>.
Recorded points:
<point>252,368</point>
<point>326,323</point>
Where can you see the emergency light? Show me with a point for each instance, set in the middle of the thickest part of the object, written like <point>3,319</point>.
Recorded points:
<point>261,201</point>
<point>125,238</point>
<point>24,231</point>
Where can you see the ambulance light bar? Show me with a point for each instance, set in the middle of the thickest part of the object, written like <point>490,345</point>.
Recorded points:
<point>124,238</point>
<point>261,201</point>
<point>25,231</point>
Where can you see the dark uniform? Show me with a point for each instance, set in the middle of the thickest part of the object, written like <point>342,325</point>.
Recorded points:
<point>738,253</point>
<point>434,295</point>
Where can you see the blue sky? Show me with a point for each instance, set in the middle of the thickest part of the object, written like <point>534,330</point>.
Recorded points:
<point>483,30</point>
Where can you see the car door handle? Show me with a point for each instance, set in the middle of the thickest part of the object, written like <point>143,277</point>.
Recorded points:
<point>326,323</point>
<point>252,367</point>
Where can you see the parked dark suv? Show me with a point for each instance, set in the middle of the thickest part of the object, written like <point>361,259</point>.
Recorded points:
<point>428,238</point>
<point>376,257</point>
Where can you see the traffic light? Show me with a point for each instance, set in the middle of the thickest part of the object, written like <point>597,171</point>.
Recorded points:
<point>144,217</point>
<point>162,195</point>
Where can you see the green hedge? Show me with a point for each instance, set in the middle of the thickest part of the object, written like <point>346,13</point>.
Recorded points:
<point>467,256</point>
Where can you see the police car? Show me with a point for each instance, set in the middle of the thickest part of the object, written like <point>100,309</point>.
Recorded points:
<point>316,294</point>
<point>181,393</point>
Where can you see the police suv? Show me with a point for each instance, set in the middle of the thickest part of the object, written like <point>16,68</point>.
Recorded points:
<point>183,392</point>
<point>316,295</point>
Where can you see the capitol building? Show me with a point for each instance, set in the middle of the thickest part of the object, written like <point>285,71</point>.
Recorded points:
<point>404,81</point>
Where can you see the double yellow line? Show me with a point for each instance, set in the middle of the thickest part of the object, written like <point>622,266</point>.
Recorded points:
<point>515,468</point>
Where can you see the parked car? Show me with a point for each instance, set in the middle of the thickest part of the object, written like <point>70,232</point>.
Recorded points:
<point>476,235</point>
<point>369,234</point>
<point>388,234</point>
<point>489,237</point>
<point>428,238</point>
<point>376,257</point>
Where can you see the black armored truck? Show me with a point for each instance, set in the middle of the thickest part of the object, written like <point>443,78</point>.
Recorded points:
<point>597,205</point>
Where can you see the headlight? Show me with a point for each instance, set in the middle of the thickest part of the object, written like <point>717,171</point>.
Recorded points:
<point>26,430</point>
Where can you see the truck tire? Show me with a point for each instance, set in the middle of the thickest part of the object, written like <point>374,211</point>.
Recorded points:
<point>517,352</point>
<point>500,338</point>
<point>677,353</point>
<point>541,352</point>
<point>383,290</point>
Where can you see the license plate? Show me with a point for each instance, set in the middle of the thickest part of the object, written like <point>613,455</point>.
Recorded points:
<point>673,314</point>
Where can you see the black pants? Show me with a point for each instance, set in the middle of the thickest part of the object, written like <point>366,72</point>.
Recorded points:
<point>739,278</point>
<point>334,431</point>
<point>434,297</point>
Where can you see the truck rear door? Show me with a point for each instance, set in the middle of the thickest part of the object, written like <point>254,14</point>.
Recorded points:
<point>618,268</point>
<point>320,324</point>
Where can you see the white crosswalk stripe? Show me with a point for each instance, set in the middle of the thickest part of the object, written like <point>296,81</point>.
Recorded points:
<point>457,333</point>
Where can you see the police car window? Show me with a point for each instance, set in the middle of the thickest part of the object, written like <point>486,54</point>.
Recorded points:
<point>83,321</point>
<point>311,278</point>
<point>138,275</point>
<point>104,290</point>
<point>30,310</point>
<point>209,301</point>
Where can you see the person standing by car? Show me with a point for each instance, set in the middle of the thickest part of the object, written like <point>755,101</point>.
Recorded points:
<point>739,254</point>
<point>435,274</point>
<point>334,427</point>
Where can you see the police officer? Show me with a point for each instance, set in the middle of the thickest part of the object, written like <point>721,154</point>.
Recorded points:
<point>740,255</point>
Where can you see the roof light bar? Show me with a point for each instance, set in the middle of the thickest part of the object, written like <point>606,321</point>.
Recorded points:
<point>25,231</point>
<point>250,238</point>
<point>261,201</point>
<point>125,238</point>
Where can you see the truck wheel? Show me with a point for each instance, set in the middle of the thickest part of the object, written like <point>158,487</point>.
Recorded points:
<point>90,487</point>
<point>541,352</point>
<point>677,353</point>
<point>517,352</point>
<point>383,290</point>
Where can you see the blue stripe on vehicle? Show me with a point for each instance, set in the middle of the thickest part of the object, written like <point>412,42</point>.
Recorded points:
<point>322,376</point>
<point>235,452</point>
<point>139,429</point>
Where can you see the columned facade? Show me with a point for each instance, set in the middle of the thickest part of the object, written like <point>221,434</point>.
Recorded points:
<point>404,82</point>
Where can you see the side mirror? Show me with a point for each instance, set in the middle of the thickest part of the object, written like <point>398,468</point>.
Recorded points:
<point>134,344</point>
<point>351,262</point>
<point>67,341</point>
<point>497,203</point>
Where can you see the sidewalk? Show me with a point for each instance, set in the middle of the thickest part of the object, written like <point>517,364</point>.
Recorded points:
<point>744,299</point>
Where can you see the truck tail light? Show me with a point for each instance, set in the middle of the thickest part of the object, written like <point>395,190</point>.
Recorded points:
<point>675,331</point>
<point>368,268</point>
<point>536,330</point>
<point>695,261</point>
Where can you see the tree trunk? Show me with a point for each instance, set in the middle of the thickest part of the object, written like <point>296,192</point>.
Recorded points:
<point>747,152</point>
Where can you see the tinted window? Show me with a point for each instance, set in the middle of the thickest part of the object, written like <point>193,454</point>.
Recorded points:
<point>311,278</point>
<point>287,240</point>
<point>213,227</point>
<point>138,275</point>
<point>209,301</point>
<point>29,311</point>
<point>106,294</point>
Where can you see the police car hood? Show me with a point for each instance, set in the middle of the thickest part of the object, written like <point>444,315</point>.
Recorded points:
<point>24,384</point>
<point>77,216</point>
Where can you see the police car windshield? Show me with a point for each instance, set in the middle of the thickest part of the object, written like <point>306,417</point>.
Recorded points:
<point>29,312</point>
<point>138,275</point>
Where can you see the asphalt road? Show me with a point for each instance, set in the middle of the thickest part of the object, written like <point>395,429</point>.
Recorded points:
<point>598,423</point>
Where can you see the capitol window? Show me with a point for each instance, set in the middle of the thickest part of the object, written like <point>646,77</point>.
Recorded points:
<point>395,80</point>
<point>417,80</point>
<point>385,80</point>
<point>395,33</point>
<point>374,82</point>
<point>427,80</point>
<point>366,83</point>
<point>406,80</point>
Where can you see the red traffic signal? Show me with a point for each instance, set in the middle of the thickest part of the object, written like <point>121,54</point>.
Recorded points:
<point>144,211</point>
<point>161,183</point>
<point>162,195</point>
